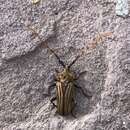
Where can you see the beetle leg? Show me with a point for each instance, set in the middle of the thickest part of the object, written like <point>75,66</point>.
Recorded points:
<point>80,74</point>
<point>52,101</point>
<point>74,101</point>
<point>86,95</point>
<point>72,111</point>
<point>58,58</point>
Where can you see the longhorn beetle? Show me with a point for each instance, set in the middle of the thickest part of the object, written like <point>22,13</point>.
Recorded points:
<point>64,81</point>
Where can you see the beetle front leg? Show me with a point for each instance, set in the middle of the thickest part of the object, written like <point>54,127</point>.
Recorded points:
<point>86,95</point>
<point>80,74</point>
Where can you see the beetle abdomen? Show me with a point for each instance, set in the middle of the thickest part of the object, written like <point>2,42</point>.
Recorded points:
<point>64,94</point>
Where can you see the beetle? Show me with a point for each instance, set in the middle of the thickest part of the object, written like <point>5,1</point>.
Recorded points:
<point>64,81</point>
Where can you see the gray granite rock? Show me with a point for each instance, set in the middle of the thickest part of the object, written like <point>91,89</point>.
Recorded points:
<point>27,66</point>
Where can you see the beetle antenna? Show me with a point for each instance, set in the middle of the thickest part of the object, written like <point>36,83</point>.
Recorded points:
<point>51,50</point>
<point>74,61</point>
<point>58,58</point>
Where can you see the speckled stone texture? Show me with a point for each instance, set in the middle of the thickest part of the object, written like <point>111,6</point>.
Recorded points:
<point>27,66</point>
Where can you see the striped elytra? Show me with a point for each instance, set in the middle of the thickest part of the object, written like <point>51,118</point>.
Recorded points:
<point>65,91</point>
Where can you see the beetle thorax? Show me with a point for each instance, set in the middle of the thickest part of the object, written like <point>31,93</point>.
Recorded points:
<point>65,75</point>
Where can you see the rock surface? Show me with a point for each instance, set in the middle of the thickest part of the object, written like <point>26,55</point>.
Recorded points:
<point>27,67</point>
